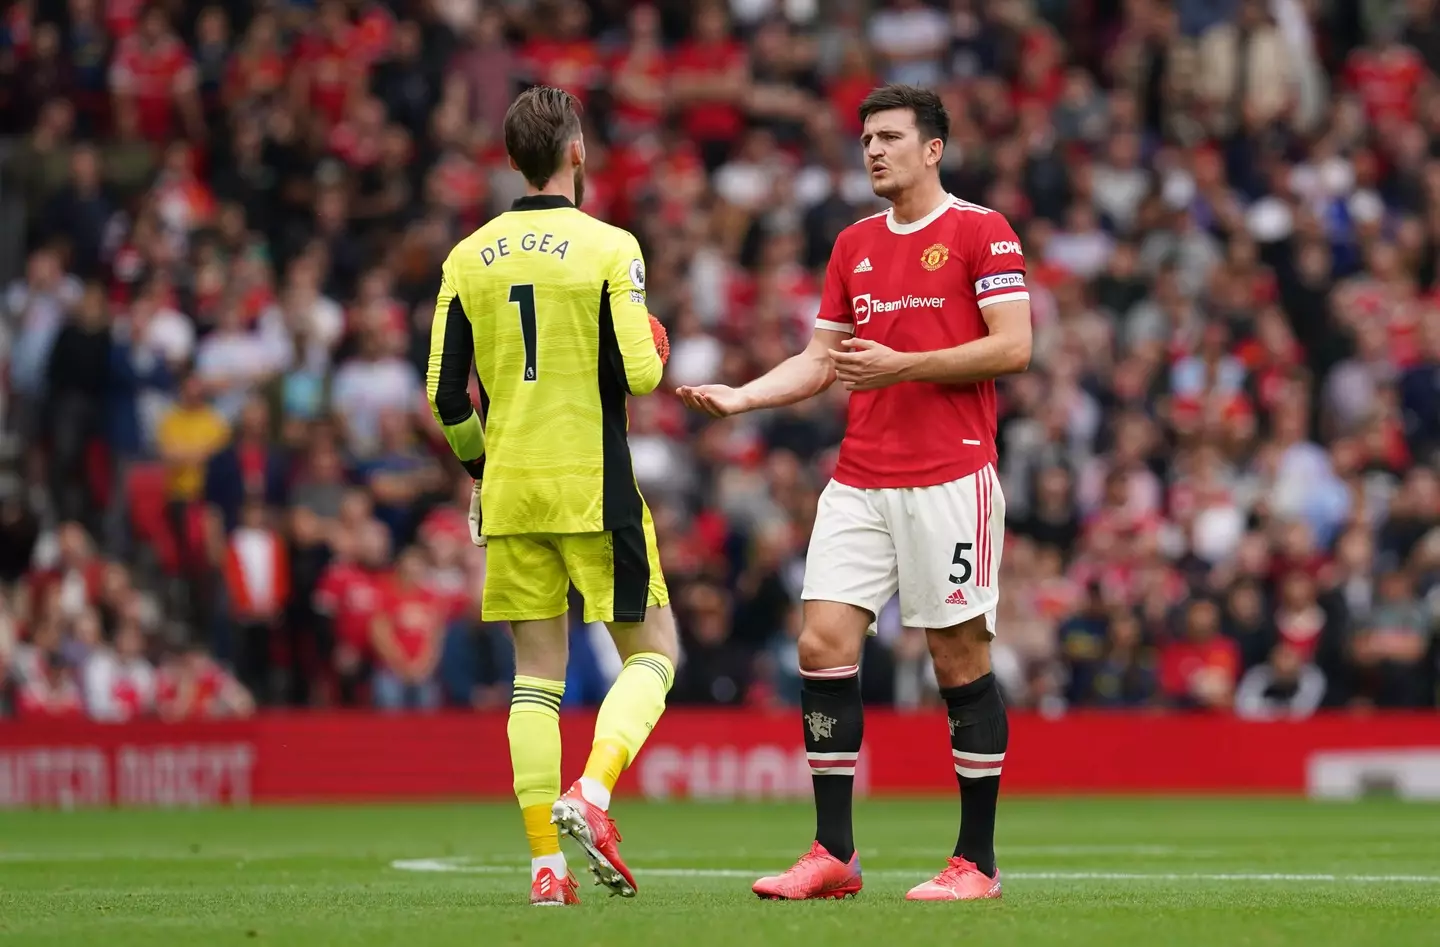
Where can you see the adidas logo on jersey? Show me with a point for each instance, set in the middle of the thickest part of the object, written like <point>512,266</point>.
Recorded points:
<point>863,266</point>
<point>957,597</point>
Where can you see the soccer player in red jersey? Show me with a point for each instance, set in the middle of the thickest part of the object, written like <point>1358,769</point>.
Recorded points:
<point>923,307</point>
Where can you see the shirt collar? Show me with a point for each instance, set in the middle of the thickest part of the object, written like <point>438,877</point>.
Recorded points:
<point>541,202</point>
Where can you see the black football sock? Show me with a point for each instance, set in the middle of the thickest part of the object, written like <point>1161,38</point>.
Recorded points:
<point>834,722</point>
<point>979,732</point>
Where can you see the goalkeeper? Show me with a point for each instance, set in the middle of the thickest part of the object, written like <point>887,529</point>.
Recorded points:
<point>549,303</point>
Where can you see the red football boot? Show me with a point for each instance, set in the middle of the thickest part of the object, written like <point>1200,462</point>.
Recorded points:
<point>817,875</point>
<point>549,891</point>
<point>960,881</point>
<point>593,828</point>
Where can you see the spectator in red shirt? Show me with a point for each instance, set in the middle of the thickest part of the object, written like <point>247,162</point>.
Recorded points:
<point>329,66</point>
<point>1042,71</point>
<point>1199,670</point>
<point>406,635</point>
<point>356,139</point>
<point>709,82</point>
<point>1386,75</point>
<point>257,67</point>
<point>566,58</point>
<point>638,75</point>
<point>191,686</point>
<point>154,76</point>
<point>350,594</point>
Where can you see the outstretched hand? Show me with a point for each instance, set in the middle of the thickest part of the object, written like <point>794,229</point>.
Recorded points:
<point>866,364</point>
<point>718,401</point>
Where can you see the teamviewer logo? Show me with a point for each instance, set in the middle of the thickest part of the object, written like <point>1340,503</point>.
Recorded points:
<point>860,306</point>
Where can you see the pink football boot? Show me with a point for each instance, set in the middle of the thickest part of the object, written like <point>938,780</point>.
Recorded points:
<point>960,881</point>
<point>595,831</point>
<point>817,875</point>
<point>548,890</point>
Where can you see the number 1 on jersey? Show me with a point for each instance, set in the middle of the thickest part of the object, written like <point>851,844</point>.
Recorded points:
<point>523,295</point>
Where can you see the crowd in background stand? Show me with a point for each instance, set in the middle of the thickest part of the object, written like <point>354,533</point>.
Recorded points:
<point>224,487</point>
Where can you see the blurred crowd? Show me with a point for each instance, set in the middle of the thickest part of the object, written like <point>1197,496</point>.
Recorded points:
<point>222,487</point>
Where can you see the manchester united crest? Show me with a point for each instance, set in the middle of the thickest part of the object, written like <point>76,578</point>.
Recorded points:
<point>821,726</point>
<point>934,256</point>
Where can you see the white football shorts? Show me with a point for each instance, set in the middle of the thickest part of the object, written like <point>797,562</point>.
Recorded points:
<point>939,547</point>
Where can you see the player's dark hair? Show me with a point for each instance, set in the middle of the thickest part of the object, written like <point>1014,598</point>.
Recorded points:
<point>930,116</point>
<point>539,125</point>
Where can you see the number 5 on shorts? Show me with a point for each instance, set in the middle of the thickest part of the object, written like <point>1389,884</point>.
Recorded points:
<point>965,569</point>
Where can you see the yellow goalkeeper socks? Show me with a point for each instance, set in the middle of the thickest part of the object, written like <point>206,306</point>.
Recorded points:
<point>534,731</point>
<point>630,711</point>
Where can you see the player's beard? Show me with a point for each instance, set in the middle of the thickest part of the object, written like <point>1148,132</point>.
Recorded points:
<point>579,184</point>
<point>890,187</point>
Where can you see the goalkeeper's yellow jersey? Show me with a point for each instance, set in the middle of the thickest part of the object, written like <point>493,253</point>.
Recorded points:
<point>549,303</point>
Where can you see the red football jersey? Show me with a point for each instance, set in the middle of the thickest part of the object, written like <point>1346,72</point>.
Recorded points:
<point>572,65</point>
<point>1386,81</point>
<point>417,615</point>
<point>332,64</point>
<point>153,77</point>
<point>631,114</point>
<point>920,287</point>
<point>1181,660</point>
<point>710,121</point>
<point>198,702</point>
<point>351,596</point>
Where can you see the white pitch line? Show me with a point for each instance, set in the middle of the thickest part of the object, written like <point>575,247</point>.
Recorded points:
<point>461,866</point>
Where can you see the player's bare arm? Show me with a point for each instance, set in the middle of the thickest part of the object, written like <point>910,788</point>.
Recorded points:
<point>864,364</point>
<point>1005,350</point>
<point>800,376</point>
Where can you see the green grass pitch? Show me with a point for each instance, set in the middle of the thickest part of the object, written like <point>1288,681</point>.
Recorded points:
<point>1171,872</point>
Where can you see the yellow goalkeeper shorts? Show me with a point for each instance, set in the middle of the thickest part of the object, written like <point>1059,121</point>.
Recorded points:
<point>617,572</point>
